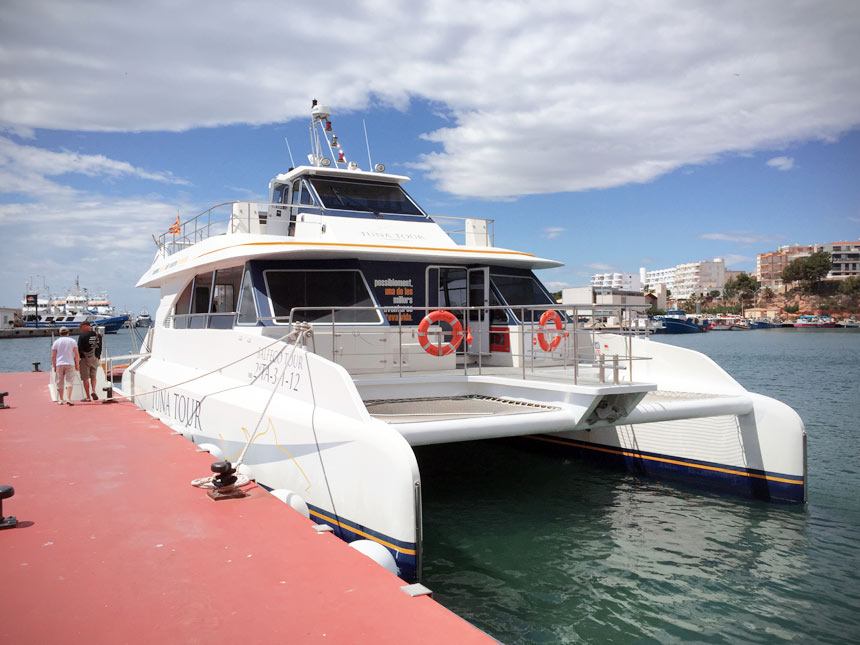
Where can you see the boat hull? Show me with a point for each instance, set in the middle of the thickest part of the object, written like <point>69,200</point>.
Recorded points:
<point>111,325</point>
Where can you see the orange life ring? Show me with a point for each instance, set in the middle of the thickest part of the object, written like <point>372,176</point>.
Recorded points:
<point>442,349</point>
<point>549,346</point>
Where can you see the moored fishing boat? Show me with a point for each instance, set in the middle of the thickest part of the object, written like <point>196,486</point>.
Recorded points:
<point>815,322</point>
<point>676,321</point>
<point>318,338</point>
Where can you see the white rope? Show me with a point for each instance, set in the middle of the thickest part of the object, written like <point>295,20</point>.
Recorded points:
<point>303,330</point>
<point>132,397</point>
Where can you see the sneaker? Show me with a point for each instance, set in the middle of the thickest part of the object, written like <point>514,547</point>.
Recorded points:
<point>85,400</point>
<point>95,396</point>
<point>69,403</point>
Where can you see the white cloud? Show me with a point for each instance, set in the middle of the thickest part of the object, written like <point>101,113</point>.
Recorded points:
<point>599,266</point>
<point>740,238</point>
<point>733,259</point>
<point>552,232</point>
<point>544,97</point>
<point>781,163</point>
<point>26,169</point>
<point>556,285</point>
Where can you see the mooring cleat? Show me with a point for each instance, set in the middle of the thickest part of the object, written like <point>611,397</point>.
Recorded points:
<point>224,482</point>
<point>6,522</point>
<point>3,396</point>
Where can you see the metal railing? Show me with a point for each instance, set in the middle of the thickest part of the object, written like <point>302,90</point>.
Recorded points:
<point>223,218</point>
<point>576,347</point>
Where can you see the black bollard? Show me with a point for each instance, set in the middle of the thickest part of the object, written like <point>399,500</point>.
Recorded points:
<point>224,482</point>
<point>108,395</point>
<point>6,522</point>
<point>36,366</point>
<point>3,396</point>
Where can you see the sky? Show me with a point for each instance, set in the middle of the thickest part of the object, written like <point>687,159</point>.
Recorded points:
<point>606,135</point>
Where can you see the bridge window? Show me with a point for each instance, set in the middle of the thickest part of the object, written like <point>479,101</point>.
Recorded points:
<point>370,197</point>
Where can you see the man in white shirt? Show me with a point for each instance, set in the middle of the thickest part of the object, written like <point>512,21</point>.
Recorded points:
<point>66,361</point>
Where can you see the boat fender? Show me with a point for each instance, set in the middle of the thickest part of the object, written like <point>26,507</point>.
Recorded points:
<point>292,500</point>
<point>212,449</point>
<point>442,349</point>
<point>378,553</point>
<point>547,316</point>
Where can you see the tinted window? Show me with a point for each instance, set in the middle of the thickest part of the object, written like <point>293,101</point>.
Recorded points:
<point>521,290</point>
<point>202,286</point>
<point>342,194</point>
<point>247,308</point>
<point>226,290</point>
<point>329,289</point>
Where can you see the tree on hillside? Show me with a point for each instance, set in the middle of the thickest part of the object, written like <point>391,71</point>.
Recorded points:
<point>767,294</point>
<point>743,288</point>
<point>850,286</point>
<point>811,269</point>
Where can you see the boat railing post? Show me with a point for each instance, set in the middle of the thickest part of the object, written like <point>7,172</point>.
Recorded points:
<point>464,343</point>
<point>532,327</point>
<point>601,368</point>
<point>481,337</point>
<point>523,340</point>
<point>333,352</point>
<point>615,369</point>
<point>630,333</point>
<point>575,349</point>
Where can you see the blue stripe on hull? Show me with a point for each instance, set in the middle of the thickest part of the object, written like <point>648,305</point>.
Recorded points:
<point>744,482</point>
<point>405,553</point>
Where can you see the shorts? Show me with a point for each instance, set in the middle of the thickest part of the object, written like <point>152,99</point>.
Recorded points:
<point>65,373</point>
<point>89,365</point>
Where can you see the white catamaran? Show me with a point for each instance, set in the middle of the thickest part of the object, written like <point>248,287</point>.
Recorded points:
<point>319,337</point>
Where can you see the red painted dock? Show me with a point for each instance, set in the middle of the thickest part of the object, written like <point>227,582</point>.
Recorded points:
<point>115,546</point>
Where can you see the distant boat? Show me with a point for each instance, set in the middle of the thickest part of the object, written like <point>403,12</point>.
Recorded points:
<point>729,323</point>
<point>815,322</point>
<point>765,323</point>
<point>677,321</point>
<point>143,319</point>
<point>76,307</point>
<point>848,323</point>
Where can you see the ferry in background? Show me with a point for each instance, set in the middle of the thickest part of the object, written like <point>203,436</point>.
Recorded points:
<point>143,319</point>
<point>848,323</point>
<point>815,322</point>
<point>676,321</point>
<point>41,310</point>
<point>319,339</point>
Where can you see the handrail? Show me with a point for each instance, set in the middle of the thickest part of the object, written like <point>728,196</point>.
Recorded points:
<point>208,223</point>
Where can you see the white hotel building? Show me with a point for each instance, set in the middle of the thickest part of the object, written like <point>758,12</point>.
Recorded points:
<point>617,281</point>
<point>684,280</point>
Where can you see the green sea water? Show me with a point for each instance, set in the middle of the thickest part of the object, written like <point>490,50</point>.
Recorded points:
<point>546,548</point>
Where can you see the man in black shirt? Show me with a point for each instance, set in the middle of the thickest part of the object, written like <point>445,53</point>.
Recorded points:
<point>90,349</point>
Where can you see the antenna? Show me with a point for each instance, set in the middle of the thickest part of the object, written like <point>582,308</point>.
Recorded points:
<point>367,143</point>
<point>292,163</point>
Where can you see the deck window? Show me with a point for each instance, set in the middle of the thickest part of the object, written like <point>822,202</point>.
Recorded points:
<point>521,291</point>
<point>370,197</point>
<point>329,290</point>
<point>247,305</point>
<point>224,296</point>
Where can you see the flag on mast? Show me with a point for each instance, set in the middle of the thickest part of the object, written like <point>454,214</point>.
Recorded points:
<point>176,228</point>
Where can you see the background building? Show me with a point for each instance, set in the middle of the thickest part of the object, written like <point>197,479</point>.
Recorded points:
<point>7,315</point>
<point>623,281</point>
<point>845,257</point>
<point>684,280</point>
